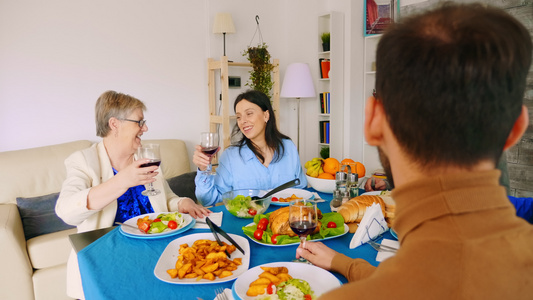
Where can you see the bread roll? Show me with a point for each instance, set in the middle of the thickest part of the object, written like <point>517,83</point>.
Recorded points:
<point>354,209</point>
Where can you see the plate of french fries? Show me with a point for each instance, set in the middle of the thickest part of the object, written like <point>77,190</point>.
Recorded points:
<point>284,197</point>
<point>254,281</point>
<point>199,259</point>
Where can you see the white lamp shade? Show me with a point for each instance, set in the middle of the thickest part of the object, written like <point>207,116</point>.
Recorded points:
<point>298,82</point>
<point>223,23</point>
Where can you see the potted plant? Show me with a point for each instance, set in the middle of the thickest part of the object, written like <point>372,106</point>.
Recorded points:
<point>260,76</point>
<point>325,40</point>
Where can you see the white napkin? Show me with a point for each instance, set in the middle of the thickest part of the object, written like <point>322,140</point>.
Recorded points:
<point>317,197</point>
<point>383,255</point>
<point>228,293</point>
<point>372,225</point>
<point>215,217</point>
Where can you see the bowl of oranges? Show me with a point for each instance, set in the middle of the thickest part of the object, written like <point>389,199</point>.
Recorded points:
<point>320,172</point>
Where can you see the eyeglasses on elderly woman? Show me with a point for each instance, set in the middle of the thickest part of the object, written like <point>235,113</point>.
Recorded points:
<point>140,122</point>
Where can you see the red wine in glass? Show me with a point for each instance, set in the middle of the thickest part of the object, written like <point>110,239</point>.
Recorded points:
<point>150,151</point>
<point>303,228</point>
<point>209,144</point>
<point>209,151</point>
<point>303,220</point>
<point>155,162</point>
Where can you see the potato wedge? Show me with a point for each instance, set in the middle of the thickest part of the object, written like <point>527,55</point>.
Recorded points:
<point>261,281</point>
<point>225,274</point>
<point>256,290</point>
<point>270,276</point>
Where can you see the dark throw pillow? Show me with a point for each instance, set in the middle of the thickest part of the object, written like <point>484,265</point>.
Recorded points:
<point>39,217</point>
<point>183,185</point>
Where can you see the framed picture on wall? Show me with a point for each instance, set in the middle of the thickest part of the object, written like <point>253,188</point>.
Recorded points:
<point>379,14</point>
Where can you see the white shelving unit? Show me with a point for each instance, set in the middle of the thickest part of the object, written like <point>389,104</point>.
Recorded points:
<point>332,22</point>
<point>370,153</point>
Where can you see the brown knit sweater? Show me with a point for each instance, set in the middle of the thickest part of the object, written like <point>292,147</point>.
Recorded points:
<point>459,239</point>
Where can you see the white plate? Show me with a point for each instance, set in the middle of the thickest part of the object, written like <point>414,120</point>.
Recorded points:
<point>372,193</point>
<point>320,280</point>
<point>137,233</point>
<point>288,193</point>
<point>168,258</point>
<point>346,230</point>
<point>393,233</point>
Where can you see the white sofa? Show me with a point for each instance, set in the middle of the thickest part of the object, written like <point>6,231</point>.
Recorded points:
<point>36,268</point>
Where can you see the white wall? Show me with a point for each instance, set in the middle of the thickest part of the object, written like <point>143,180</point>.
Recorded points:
<point>58,56</point>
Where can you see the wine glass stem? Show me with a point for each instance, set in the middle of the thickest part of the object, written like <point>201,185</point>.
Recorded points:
<point>302,241</point>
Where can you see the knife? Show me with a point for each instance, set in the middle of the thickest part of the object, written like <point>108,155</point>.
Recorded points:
<point>130,226</point>
<point>214,228</point>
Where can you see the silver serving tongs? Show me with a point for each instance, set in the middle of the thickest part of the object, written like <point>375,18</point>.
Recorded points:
<point>215,229</point>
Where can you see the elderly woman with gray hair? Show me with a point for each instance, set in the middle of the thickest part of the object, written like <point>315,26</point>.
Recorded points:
<point>104,183</point>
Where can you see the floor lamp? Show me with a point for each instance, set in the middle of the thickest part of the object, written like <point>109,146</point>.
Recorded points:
<point>298,83</point>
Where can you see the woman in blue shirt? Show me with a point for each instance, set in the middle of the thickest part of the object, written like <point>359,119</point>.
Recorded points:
<point>263,158</point>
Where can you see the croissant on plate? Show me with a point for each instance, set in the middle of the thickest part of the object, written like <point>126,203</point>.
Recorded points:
<point>279,222</point>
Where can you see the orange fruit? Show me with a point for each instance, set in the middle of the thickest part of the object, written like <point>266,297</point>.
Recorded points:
<point>348,162</point>
<point>326,176</point>
<point>331,165</point>
<point>360,170</point>
<point>355,167</point>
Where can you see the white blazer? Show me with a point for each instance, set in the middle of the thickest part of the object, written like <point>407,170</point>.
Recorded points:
<point>85,169</point>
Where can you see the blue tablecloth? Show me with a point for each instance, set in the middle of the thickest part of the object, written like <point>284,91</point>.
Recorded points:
<point>120,267</point>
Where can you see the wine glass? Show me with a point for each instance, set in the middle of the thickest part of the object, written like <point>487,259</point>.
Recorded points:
<point>303,219</point>
<point>150,151</point>
<point>209,144</point>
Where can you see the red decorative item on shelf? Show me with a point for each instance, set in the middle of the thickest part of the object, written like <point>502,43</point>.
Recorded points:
<point>324,66</point>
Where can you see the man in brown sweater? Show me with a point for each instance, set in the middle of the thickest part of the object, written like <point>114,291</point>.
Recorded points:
<point>449,85</point>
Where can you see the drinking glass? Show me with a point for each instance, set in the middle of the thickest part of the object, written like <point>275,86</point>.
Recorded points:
<point>209,144</point>
<point>150,151</point>
<point>303,219</point>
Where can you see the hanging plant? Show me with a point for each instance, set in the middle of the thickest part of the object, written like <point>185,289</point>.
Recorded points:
<point>260,76</point>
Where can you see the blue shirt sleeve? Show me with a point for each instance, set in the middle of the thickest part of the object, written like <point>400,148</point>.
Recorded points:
<point>524,207</point>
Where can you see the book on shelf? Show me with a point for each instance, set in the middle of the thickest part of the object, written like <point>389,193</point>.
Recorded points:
<point>321,97</point>
<point>324,132</point>
<point>324,103</point>
<point>328,101</point>
<point>327,132</point>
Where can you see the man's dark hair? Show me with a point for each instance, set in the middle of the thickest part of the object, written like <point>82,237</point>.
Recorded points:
<point>273,137</point>
<point>452,81</point>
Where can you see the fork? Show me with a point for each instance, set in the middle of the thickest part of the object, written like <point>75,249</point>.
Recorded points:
<point>221,295</point>
<point>381,247</point>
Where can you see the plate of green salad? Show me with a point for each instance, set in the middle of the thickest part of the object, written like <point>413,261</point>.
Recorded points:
<point>306,280</point>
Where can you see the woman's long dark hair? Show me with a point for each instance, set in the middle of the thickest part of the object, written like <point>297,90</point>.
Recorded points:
<point>273,137</point>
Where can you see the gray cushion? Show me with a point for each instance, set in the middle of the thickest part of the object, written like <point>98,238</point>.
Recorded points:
<point>39,217</point>
<point>183,185</point>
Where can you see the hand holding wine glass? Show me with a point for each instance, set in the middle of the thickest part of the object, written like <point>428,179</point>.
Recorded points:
<point>209,144</point>
<point>303,219</point>
<point>150,151</point>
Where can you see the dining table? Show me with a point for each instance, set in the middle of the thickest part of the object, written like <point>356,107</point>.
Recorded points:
<point>117,266</point>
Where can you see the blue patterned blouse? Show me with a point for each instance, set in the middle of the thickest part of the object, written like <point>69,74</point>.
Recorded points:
<point>132,203</point>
